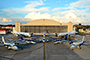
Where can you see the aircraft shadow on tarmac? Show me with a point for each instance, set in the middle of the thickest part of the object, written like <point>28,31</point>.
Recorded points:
<point>25,46</point>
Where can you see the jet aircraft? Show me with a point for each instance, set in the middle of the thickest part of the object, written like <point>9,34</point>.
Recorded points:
<point>69,33</point>
<point>63,40</point>
<point>28,40</point>
<point>23,33</point>
<point>44,40</point>
<point>9,45</point>
<point>79,44</point>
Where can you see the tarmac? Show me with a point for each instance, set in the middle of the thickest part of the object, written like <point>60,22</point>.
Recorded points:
<point>44,51</point>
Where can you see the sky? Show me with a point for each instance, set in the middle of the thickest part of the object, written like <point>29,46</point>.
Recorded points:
<point>63,11</point>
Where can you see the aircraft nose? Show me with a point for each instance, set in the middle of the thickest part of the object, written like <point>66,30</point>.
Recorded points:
<point>72,47</point>
<point>55,41</point>
<point>15,48</point>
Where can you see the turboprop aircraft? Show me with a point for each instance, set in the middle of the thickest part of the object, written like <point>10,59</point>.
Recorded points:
<point>79,44</point>
<point>63,40</point>
<point>28,40</point>
<point>9,45</point>
<point>69,33</point>
<point>23,33</point>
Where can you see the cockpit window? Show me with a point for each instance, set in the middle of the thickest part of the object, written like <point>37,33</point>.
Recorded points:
<point>12,45</point>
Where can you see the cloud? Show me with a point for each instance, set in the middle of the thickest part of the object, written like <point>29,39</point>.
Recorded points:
<point>1,12</point>
<point>31,6</point>
<point>34,15</point>
<point>75,5</point>
<point>5,20</point>
<point>44,0</point>
<point>70,17</point>
<point>56,9</point>
<point>81,4</point>
<point>75,12</point>
<point>9,10</point>
<point>58,1</point>
<point>34,4</point>
<point>13,20</point>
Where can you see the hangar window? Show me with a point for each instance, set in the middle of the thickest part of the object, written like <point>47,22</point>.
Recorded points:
<point>41,29</point>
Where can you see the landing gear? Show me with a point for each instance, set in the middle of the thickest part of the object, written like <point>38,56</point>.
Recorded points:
<point>15,50</point>
<point>8,48</point>
<point>79,47</point>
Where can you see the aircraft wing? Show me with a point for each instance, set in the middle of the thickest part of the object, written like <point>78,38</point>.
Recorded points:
<point>86,41</point>
<point>49,34</point>
<point>38,41</point>
<point>35,38</point>
<point>86,44</point>
<point>65,40</point>
<point>78,40</point>
<point>18,42</point>
<point>70,41</point>
<point>1,45</point>
<point>52,38</point>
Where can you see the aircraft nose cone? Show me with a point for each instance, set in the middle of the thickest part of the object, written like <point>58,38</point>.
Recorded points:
<point>15,48</point>
<point>55,41</point>
<point>72,47</point>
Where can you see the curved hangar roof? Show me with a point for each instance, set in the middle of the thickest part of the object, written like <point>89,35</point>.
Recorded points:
<point>43,22</point>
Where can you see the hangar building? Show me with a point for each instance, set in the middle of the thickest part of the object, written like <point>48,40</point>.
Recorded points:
<point>43,25</point>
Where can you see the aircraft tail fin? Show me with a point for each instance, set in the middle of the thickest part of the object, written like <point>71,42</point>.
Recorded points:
<point>66,36</point>
<point>43,34</point>
<point>3,40</point>
<point>21,36</point>
<point>14,29</point>
<point>74,28</point>
<point>83,38</point>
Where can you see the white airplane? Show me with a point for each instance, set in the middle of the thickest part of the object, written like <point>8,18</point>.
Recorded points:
<point>63,40</point>
<point>44,40</point>
<point>69,33</point>
<point>23,33</point>
<point>78,44</point>
<point>9,45</point>
<point>28,40</point>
